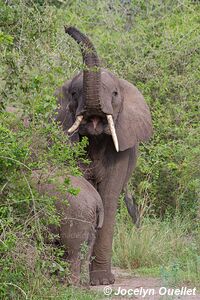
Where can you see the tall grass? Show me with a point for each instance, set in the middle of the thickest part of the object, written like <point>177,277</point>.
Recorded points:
<point>167,248</point>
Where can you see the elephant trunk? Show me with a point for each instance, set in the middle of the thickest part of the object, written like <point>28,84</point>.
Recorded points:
<point>91,72</point>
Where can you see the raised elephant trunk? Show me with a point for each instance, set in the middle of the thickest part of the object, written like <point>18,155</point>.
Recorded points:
<point>91,72</point>
<point>91,82</point>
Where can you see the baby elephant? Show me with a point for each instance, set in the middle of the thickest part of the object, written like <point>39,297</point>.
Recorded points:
<point>81,216</point>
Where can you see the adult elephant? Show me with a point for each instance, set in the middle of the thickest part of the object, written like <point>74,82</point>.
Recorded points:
<point>112,113</point>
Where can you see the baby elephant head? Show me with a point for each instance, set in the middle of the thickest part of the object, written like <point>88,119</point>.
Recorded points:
<point>96,102</point>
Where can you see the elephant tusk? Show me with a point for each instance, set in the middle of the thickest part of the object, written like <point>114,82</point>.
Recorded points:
<point>76,124</point>
<point>113,131</point>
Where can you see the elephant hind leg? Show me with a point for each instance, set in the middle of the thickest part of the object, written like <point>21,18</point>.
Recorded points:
<point>71,237</point>
<point>74,260</point>
<point>87,257</point>
<point>79,241</point>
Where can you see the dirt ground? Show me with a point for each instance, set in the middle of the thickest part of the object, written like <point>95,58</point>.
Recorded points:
<point>143,288</point>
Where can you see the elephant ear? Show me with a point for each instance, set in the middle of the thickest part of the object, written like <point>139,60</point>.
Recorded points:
<point>63,115</point>
<point>134,123</point>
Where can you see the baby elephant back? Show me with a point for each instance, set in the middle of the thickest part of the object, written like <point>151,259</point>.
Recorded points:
<point>86,205</point>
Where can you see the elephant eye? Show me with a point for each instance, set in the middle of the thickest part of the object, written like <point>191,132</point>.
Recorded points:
<point>74,94</point>
<point>115,93</point>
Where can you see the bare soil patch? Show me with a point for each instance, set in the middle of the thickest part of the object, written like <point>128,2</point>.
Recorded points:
<point>127,281</point>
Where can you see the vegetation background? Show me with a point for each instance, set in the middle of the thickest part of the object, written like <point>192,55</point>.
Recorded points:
<point>153,44</point>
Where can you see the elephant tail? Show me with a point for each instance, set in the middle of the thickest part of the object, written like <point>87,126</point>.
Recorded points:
<point>100,215</point>
<point>132,208</point>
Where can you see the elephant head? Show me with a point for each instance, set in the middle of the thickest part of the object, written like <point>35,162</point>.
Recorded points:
<point>96,102</point>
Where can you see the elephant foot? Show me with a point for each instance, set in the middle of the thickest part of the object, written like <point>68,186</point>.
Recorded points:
<point>101,277</point>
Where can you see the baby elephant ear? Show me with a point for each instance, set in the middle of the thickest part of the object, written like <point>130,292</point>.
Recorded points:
<point>62,113</point>
<point>134,121</point>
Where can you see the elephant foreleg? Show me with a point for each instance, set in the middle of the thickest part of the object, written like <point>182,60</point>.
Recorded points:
<point>109,189</point>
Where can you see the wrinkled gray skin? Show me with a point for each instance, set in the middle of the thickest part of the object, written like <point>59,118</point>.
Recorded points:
<point>95,93</point>
<point>80,221</point>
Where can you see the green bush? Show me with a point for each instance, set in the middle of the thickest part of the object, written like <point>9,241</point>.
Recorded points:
<point>155,46</point>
